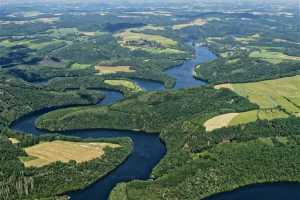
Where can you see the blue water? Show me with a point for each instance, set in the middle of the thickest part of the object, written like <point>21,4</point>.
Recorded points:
<point>183,73</point>
<point>271,191</point>
<point>148,149</point>
<point>148,85</point>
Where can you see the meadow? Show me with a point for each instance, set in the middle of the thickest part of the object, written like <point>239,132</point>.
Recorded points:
<point>129,36</point>
<point>278,98</point>
<point>272,56</point>
<point>196,22</point>
<point>133,87</point>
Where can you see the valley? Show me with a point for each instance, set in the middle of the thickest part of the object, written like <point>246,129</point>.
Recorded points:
<point>149,101</point>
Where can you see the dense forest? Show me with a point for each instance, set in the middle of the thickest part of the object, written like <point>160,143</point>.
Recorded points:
<point>65,56</point>
<point>194,155</point>
<point>18,182</point>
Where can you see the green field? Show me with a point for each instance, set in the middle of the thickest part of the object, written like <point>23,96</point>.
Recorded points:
<point>125,83</point>
<point>283,92</point>
<point>31,43</point>
<point>128,36</point>
<point>277,98</point>
<point>80,66</point>
<point>273,56</point>
<point>247,39</point>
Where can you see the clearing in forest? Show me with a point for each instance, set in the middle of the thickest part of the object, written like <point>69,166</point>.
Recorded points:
<point>125,83</point>
<point>276,98</point>
<point>196,22</point>
<point>247,39</point>
<point>91,34</point>
<point>113,69</point>
<point>273,57</point>
<point>128,37</point>
<point>49,152</point>
<point>14,140</point>
<point>219,121</point>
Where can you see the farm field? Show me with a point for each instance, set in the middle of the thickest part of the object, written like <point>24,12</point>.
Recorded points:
<point>80,66</point>
<point>129,36</point>
<point>272,56</point>
<point>277,98</point>
<point>64,151</point>
<point>31,43</point>
<point>196,22</point>
<point>134,40</point>
<point>219,121</point>
<point>125,83</point>
<point>113,69</point>
<point>148,100</point>
<point>248,39</point>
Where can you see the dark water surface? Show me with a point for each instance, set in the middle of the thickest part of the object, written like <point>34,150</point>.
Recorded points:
<point>148,149</point>
<point>148,85</point>
<point>184,73</point>
<point>268,191</point>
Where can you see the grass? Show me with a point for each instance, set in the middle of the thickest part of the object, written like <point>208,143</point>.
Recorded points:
<point>148,27</point>
<point>196,22</point>
<point>162,51</point>
<point>273,56</point>
<point>30,43</point>
<point>128,36</point>
<point>155,13</point>
<point>125,83</point>
<point>14,140</point>
<point>47,20</point>
<point>113,69</point>
<point>232,119</point>
<point>80,66</point>
<point>276,98</point>
<point>272,93</point>
<point>61,32</point>
<point>27,158</point>
<point>31,13</point>
<point>219,121</point>
<point>90,34</point>
<point>244,118</point>
<point>270,114</point>
<point>49,152</point>
<point>247,39</point>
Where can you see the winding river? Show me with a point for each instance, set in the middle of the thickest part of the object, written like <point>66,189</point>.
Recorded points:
<point>148,149</point>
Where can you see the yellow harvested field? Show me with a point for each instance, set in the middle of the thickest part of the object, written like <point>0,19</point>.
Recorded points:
<point>91,34</point>
<point>196,22</point>
<point>47,20</point>
<point>219,121</point>
<point>113,69</point>
<point>14,140</point>
<point>125,83</point>
<point>64,151</point>
<point>225,85</point>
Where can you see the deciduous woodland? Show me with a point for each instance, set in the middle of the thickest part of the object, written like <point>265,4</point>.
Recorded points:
<point>68,69</point>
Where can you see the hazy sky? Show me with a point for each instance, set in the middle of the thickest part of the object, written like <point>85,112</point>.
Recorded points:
<point>143,1</point>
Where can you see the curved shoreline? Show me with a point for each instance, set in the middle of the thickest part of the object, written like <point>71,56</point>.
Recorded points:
<point>148,148</point>
<point>258,191</point>
<point>142,150</point>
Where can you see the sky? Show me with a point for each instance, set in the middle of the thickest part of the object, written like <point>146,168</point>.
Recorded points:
<point>141,1</point>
